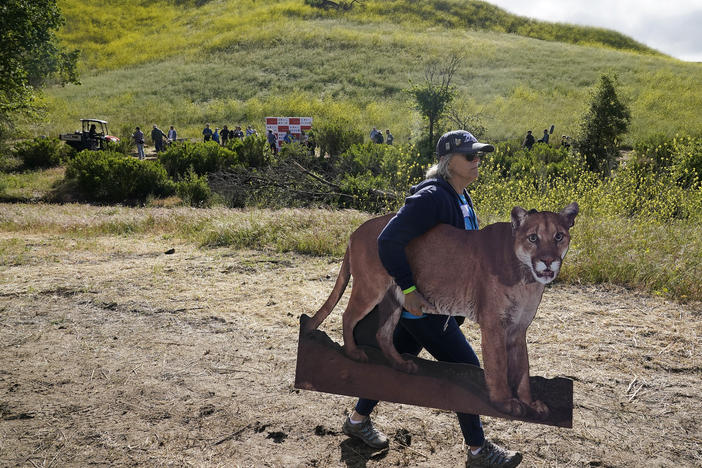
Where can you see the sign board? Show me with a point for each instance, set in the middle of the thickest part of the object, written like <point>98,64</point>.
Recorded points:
<point>295,125</point>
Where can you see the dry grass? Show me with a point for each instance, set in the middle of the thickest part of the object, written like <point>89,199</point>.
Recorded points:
<point>115,353</point>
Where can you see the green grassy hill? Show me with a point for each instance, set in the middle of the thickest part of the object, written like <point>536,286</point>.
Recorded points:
<point>188,62</point>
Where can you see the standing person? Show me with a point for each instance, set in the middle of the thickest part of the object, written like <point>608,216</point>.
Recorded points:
<point>388,137</point>
<point>440,198</point>
<point>288,138</point>
<point>238,133</point>
<point>157,137</point>
<point>207,133</point>
<point>272,141</point>
<point>544,139</point>
<point>138,137</point>
<point>250,131</point>
<point>215,135</point>
<point>172,134</point>
<point>373,134</point>
<point>224,135</point>
<point>564,142</point>
<point>528,140</point>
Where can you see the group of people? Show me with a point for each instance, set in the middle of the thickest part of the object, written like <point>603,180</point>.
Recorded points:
<point>530,140</point>
<point>226,134</point>
<point>376,136</point>
<point>306,139</point>
<point>160,139</point>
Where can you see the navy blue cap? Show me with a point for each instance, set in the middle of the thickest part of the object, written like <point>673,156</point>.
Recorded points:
<point>460,141</point>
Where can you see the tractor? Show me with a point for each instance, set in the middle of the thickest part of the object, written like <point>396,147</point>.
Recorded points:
<point>93,136</point>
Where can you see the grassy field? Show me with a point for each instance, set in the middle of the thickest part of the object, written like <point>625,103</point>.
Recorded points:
<point>661,258</point>
<point>236,62</point>
<point>185,63</point>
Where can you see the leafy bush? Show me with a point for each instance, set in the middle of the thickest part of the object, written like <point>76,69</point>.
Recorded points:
<point>655,152</point>
<point>686,167</point>
<point>105,176</point>
<point>194,190</point>
<point>607,119</point>
<point>336,137</point>
<point>392,167</point>
<point>252,151</point>
<point>678,157</point>
<point>202,158</point>
<point>43,152</point>
<point>124,146</point>
<point>541,164</point>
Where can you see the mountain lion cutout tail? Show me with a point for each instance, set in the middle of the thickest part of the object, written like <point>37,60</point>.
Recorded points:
<point>339,287</point>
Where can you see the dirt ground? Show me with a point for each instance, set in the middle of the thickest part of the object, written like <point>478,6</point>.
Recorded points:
<point>115,353</point>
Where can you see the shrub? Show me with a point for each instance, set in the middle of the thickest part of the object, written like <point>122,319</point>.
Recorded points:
<point>601,126</point>
<point>194,190</point>
<point>202,158</point>
<point>43,152</point>
<point>541,164</point>
<point>336,137</point>
<point>252,151</point>
<point>105,176</point>
<point>124,146</point>
<point>655,151</point>
<point>392,167</point>
<point>686,167</point>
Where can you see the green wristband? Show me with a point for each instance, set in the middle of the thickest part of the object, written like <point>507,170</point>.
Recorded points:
<point>409,290</point>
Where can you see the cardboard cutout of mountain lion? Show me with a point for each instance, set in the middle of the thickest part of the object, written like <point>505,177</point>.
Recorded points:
<point>495,276</point>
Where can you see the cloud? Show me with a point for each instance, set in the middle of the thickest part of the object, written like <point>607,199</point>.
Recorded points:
<point>678,35</point>
<point>672,27</point>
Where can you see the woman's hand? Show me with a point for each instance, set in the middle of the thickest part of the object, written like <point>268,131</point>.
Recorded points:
<point>417,305</point>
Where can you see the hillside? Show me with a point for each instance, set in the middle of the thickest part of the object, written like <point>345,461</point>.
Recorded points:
<point>185,63</point>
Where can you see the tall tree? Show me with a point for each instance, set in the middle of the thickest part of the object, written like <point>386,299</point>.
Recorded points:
<point>607,119</point>
<point>30,55</point>
<point>435,93</point>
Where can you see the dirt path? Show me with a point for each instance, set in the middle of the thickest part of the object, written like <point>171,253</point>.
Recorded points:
<point>114,353</point>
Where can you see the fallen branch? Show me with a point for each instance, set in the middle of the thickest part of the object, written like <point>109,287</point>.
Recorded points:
<point>315,176</point>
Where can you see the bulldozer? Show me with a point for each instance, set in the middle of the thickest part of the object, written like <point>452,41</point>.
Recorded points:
<point>92,136</point>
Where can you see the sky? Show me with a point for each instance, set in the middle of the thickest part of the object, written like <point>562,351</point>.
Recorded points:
<point>673,27</point>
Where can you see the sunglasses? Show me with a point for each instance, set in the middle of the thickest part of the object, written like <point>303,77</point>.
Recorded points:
<point>472,156</point>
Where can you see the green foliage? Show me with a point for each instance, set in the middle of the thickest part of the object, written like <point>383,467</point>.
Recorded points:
<point>678,158</point>
<point>8,162</point>
<point>378,176</point>
<point>541,167</point>
<point>435,93</point>
<point>201,158</point>
<point>606,120</point>
<point>194,190</point>
<point>124,146</point>
<point>30,55</point>
<point>335,137</point>
<point>252,151</point>
<point>105,176</point>
<point>686,168</point>
<point>655,152</point>
<point>43,152</point>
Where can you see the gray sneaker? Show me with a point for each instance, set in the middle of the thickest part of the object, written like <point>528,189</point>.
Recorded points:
<point>365,431</point>
<point>493,456</point>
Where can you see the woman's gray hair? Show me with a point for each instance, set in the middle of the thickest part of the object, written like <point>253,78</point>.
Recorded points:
<point>441,169</point>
